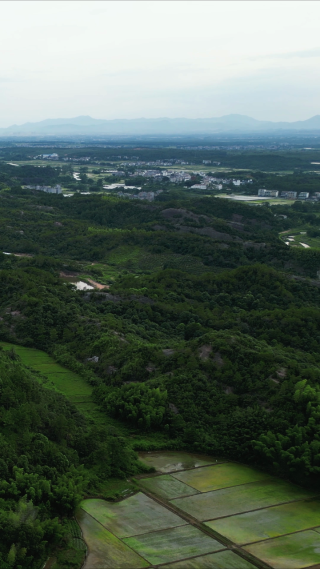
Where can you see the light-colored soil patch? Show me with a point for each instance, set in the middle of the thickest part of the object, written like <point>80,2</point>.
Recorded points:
<point>204,352</point>
<point>221,560</point>
<point>167,487</point>
<point>172,461</point>
<point>269,522</point>
<point>220,476</point>
<point>173,544</point>
<point>289,552</point>
<point>105,551</point>
<point>99,286</point>
<point>135,515</point>
<point>240,499</point>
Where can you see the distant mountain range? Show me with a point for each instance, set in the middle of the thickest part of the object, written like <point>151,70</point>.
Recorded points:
<point>87,126</point>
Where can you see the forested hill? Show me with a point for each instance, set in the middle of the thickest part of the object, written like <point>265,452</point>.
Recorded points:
<point>207,339</point>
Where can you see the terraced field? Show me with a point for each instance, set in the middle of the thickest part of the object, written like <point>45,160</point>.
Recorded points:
<point>54,376</point>
<point>198,512</point>
<point>195,512</point>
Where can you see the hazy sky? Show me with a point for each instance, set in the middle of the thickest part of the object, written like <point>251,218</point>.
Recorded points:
<point>130,59</point>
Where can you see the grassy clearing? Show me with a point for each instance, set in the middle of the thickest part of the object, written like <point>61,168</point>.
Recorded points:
<point>221,560</point>
<point>133,516</point>
<point>138,261</point>
<point>54,376</point>
<point>239,499</point>
<point>173,544</point>
<point>220,476</point>
<point>105,550</point>
<point>171,461</point>
<point>269,522</point>
<point>295,551</point>
<point>166,487</point>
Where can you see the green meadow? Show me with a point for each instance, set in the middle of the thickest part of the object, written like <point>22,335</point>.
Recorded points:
<point>54,376</point>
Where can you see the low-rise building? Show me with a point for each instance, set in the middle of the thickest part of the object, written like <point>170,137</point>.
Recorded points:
<point>303,195</point>
<point>289,195</point>
<point>48,189</point>
<point>268,193</point>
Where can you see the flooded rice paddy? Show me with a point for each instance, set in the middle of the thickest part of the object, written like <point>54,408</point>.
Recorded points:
<point>200,512</point>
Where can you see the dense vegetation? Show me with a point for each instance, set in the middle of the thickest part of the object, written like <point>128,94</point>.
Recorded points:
<point>208,339</point>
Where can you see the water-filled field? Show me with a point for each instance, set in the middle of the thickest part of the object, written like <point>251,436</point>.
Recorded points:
<point>167,487</point>
<point>250,519</point>
<point>220,476</point>
<point>222,560</point>
<point>104,549</point>
<point>171,461</point>
<point>135,515</point>
<point>173,544</point>
<point>243,498</point>
<point>198,512</point>
<point>293,551</point>
<point>269,522</point>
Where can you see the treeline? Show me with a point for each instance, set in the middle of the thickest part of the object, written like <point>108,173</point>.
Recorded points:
<point>49,456</point>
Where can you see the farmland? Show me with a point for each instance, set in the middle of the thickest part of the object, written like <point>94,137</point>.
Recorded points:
<point>54,376</point>
<point>280,526</point>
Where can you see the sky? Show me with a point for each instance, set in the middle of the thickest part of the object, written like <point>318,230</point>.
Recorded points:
<point>132,59</point>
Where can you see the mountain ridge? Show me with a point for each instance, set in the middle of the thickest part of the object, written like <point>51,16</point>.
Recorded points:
<point>86,125</point>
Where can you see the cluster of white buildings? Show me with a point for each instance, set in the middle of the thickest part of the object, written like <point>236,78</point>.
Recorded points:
<point>289,195</point>
<point>149,196</point>
<point>48,189</point>
<point>53,156</point>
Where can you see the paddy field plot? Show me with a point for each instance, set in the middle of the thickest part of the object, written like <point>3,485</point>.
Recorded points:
<point>171,461</point>
<point>221,560</point>
<point>134,516</point>
<point>220,476</point>
<point>294,551</point>
<point>269,522</point>
<point>105,551</point>
<point>166,487</point>
<point>173,544</point>
<point>238,499</point>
